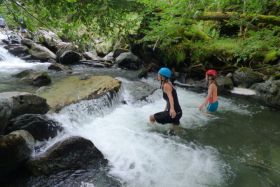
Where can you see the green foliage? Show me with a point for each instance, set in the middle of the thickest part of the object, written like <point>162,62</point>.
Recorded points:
<point>167,26</point>
<point>256,46</point>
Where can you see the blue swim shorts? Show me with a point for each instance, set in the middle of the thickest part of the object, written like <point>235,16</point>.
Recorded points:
<point>212,107</point>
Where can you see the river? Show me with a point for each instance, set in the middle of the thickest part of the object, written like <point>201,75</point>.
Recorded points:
<point>238,146</point>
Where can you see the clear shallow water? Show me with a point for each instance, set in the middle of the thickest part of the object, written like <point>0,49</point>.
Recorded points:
<point>238,146</point>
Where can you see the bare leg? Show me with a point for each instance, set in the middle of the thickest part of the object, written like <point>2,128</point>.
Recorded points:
<point>152,119</point>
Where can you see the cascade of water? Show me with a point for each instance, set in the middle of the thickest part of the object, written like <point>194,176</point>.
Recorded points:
<point>10,64</point>
<point>139,155</point>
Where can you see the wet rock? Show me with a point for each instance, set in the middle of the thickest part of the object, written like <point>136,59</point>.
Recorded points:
<point>72,90</point>
<point>71,153</point>
<point>246,77</point>
<point>38,79</point>
<point>17,50</point>
<point>24,73</point>
<point>13,104</point>
<point>128,61</point>
<point>269,92</point>
<point>39,126</point>
<point>224,83</point>
<point>15,149</point>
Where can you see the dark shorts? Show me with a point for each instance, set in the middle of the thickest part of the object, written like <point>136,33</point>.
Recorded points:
<point>164,117</point>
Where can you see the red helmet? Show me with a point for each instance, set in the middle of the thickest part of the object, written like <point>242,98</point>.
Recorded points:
<point>211,72</point>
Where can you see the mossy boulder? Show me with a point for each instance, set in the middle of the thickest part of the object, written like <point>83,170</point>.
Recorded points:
<point>246,77</point>
<point>74,89</point>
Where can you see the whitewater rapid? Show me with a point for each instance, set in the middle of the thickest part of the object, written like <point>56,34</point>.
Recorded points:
<point>140,154</point>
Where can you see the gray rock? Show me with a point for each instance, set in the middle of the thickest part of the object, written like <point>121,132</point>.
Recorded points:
<point>128,61</point>
<point>246,77</point>
<point>41,53</point>
<point>17,50</point>
<point>39,126</point>
<point>15,150</point>
<point>71,153</point>
<point>13,104</point>
<point>269,92</point>
<point>224,83</point>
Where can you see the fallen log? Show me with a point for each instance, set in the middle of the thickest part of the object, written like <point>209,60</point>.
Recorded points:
<point>256,18</point>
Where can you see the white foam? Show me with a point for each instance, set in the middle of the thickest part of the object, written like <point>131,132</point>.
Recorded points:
<point>243,91</point>
<point>140,157</point>
<point>11,64</point>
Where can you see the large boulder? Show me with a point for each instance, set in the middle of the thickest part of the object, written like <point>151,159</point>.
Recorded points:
<point>39,126</point>
<point>246,77</point>
<point>48,39</point>
<point>72,153</point>
<point>74,89</point>
<point>269,92</point>
<point>128,61</point>
<point>15,149</point>
<point>41,53</point>
<point>17,50</point>
<point>13,104</point>
<point>224,83</point>
<point>69,57</point>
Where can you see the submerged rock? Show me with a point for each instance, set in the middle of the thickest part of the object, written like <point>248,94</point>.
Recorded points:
<point>72,90</point>
<point>71,153</point>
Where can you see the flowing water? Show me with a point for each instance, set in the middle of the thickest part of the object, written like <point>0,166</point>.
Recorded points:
<point>236,147</point>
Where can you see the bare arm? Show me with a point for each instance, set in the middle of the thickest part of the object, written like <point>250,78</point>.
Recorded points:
<point>209,95</point>
<point>168,90</point>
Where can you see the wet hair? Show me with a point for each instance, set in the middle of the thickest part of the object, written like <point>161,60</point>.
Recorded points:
<point>213,78</point>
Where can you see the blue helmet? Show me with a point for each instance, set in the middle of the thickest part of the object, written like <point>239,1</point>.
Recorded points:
<point>165,72</point>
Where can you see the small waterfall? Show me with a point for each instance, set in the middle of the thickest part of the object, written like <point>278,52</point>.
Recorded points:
<point>138,154</point>
<point>10,64</point>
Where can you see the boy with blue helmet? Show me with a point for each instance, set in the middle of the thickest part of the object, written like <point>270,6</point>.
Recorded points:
<point>172,112</point>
